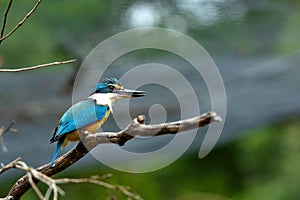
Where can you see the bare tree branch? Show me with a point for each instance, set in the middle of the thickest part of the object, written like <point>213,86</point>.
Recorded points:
<point>38,66</point>
<point>135,128</point>
<point>21,22</point>
<point>4,130</point>
<point>5,18</point>
<point>138,128</point>
<point>32,174</point>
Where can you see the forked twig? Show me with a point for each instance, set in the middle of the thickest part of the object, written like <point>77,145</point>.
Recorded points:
<point>52,184</point>
<point>4,130</point>
<point>21,22</point>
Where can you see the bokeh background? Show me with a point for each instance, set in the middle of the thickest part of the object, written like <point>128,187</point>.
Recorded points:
<point>256,47</point>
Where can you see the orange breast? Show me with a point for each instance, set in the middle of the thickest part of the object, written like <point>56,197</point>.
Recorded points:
<point>92,128</point>
<point>73,136</point>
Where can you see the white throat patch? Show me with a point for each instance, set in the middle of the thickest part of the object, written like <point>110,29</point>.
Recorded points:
<point>105,99</point>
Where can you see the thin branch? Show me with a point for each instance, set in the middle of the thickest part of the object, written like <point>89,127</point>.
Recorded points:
<point>3,145</point>
<point>38,66</point>
<point>22,21</point>
<point>5,17</point>
<point>136,127</point>
<point>34,186</point>
<point>33,175</point>
<point>9,165</point>
<point>94,179</point>
<point>4,130</point>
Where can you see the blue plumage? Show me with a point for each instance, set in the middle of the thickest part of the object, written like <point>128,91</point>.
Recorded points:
<point>58,147</point>
<point>91,113</point>
<point>107,85</point>
<point>78,116</point>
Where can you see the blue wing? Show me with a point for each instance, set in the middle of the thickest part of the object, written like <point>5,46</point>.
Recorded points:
<point>78,116</point>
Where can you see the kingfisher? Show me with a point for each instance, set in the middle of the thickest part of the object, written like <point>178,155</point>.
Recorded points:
<point>91,113</point>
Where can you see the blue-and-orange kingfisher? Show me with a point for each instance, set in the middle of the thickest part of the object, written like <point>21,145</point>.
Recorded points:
<point>90,114</point>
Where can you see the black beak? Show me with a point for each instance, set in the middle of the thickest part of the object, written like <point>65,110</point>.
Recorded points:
<point>126,93</point>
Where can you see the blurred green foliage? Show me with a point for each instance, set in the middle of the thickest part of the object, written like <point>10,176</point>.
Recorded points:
<point>262,165</point>
<point>268,27</point>
<point>37,41</point>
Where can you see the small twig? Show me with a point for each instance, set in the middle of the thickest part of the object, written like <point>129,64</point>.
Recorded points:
<point>5,18</point>
<point>22,21</point>
<point>9,165</point>
<point>38,66</point>
<point>94,179</point>
<point>4,130</point>
<point>3,145</point>
<point>8,128</point>
<point>34,186</point>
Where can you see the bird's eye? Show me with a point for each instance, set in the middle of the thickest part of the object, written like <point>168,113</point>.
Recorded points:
<point>111,87</point>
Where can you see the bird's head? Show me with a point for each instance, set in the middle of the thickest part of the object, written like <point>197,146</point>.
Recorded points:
<point>111,89</point>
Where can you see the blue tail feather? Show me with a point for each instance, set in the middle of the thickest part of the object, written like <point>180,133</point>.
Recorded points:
<point>58,147</point>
